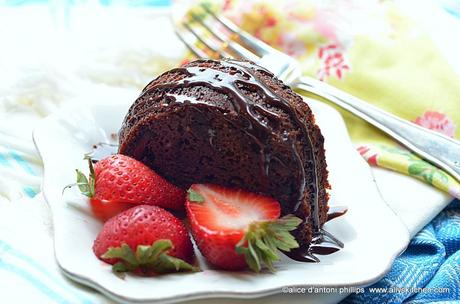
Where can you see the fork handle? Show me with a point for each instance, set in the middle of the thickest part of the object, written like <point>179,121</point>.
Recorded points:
<point>436,148</point>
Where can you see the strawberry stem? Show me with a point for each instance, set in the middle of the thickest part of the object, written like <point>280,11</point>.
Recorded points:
<point>262,239</point>
<point>152,258</point>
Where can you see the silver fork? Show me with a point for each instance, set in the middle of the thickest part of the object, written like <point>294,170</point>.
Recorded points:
<point>217,37</point>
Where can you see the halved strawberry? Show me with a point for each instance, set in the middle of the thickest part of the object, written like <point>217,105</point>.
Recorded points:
<point>234,228</point>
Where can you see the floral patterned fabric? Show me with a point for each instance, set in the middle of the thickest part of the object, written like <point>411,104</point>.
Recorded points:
<point>372,50</point>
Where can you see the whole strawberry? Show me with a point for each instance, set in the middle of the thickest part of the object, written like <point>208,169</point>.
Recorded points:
<point>119,180</point>
<point>145,239</point>
<point>235,229</point>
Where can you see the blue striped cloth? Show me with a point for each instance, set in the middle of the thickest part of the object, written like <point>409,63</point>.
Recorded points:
<point>19,174</point>
<point>35,274</point>
<point>428,271</point>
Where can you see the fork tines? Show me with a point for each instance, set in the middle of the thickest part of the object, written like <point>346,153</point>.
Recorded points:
<point>214,36</point>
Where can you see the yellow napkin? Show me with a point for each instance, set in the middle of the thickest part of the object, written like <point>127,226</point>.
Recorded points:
<point>372,50</point>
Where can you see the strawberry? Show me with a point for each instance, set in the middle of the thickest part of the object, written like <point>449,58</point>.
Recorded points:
<point>118,180</point>
<point>104,210</point>
<point>145,239</point>
<point>235,229</point>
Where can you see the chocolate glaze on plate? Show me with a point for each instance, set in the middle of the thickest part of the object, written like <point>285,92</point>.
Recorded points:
<point>326,245</point>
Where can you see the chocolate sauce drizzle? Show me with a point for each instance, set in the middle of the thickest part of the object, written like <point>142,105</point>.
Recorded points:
<point>257,128</point>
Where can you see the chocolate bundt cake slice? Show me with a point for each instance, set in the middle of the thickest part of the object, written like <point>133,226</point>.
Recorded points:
<point>234,124</point>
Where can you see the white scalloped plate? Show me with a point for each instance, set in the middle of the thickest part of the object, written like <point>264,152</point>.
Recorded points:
<point>372,233</point>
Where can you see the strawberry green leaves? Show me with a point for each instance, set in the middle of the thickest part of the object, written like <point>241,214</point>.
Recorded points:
<point>261,241</point>
<point>86,186</point>
<point>152,258</point>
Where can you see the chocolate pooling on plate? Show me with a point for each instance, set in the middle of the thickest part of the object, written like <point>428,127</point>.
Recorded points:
<point>233,123</point>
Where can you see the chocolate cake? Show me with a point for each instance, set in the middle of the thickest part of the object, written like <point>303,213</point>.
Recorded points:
<point>234,124</point>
